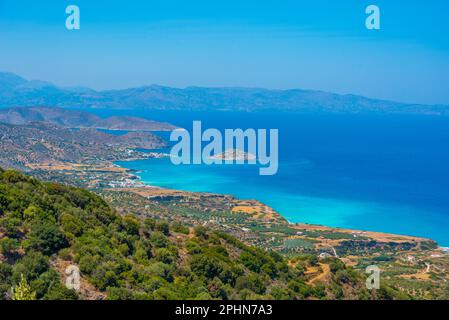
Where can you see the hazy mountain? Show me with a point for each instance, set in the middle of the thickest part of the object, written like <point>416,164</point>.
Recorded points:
<point>78,119</point>
<point>16,91</point>
<point>10,81</point>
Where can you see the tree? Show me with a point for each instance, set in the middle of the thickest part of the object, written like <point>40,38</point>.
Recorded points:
<point>22,291</point>
<point>119,294</point>
<point>163,227</point>
<point>336,265</point>
<point>251,261</point>
<point>47,238</point>
<point>280,293</point>
<point>209,267</point>
<point>3,203</point>
<point>59,292</point>
<point>179,228</point>
<point>32,212</point>
<point>71,224</point>
<point>159,240</point>
<point>200,232</point>
<point>31,265</point>
<point>9,246</point>
<point>12,227</point>
<point>164,255</point>
<point>131,225</point>
<point>88,263</point>
<point>243,283</point>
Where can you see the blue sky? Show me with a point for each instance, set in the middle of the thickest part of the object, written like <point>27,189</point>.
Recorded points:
<point>313,44</point>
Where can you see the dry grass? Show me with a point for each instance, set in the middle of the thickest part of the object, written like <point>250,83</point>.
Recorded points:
<point>322,273</point>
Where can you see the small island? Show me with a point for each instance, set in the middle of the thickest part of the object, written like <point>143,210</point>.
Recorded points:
<point>234,155</point>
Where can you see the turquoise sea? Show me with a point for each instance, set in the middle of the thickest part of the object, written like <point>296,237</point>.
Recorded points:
<point>370,172</point>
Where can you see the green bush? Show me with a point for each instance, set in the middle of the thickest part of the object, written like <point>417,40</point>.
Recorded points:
<point>46,238</point>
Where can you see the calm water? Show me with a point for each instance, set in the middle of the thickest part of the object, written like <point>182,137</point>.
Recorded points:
<point>381,173</point>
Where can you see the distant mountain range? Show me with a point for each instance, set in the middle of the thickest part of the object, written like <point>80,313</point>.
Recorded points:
<point>16,91</point>
<point>78,119</point>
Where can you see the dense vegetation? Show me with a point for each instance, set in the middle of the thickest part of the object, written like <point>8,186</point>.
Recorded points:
<point>46,225</point>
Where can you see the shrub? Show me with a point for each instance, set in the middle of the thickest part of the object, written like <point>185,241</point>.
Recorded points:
<point>206,266</point>
<point>179,228</point>
<point>159,240</point>
<point>163,227</point>
<point>164,255</point>
<point>131,225</point>
<point>8,246</point>
<point>70,224</point>
<point>47,238</point>
<point>200,232</point>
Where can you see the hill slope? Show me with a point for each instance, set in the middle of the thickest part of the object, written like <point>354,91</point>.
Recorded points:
<point>45,227</point>
<point>36,143</point>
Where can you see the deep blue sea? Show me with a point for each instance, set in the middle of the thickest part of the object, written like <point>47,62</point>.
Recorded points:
<point>371,172</point>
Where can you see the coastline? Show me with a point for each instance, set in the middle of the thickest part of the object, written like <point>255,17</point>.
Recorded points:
<point>253,223</point>
<point>353,181</point>
<point>112,175</point>
<point>376,234</point>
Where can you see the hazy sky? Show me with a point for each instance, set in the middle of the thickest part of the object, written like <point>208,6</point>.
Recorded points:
<point>310,44</point>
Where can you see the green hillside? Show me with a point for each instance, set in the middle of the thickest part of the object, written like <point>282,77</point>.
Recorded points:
<point>45,227</point>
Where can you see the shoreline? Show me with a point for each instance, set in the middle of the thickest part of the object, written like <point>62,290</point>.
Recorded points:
<point>119,176</point>
<point>355,232</point>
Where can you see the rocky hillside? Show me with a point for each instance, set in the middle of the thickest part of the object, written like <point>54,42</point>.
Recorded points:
<point>21,145</point>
